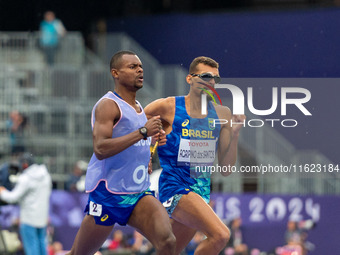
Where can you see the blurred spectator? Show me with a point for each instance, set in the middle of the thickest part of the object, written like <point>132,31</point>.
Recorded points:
<point>289,249</point>
<point>32,192</point>
<point>51,30</point>
<point>296,238</point>
<point>16,125</point>
<point>56,248</point>
<point>293,234</point>
<point>118,244</point>
<point>141,245</point>
<point>118,241</point>
<point>76,180</point>
<point>235,244</point>
<point>6,170</point>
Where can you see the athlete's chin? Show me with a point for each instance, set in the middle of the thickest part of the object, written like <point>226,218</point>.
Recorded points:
<point>138,86</point>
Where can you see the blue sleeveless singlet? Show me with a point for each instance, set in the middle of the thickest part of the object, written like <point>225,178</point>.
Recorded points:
<point>191,144</point>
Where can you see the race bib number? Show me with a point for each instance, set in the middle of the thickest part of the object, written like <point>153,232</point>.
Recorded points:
<point>95,209</point>
<point>196,152</point>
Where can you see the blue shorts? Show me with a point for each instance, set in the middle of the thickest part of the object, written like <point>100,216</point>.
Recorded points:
<point>108,209</point>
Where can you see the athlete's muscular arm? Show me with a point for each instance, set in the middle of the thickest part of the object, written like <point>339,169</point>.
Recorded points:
<point>227,147</point>
<point>104,145</point>
<point>164,107</point>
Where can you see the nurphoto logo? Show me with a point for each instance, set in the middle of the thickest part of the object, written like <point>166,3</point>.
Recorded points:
<point>239,104</point>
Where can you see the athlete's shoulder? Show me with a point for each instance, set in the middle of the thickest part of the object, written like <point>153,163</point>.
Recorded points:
<point>107,108</point>
<point>106,102</point>
<point>161,105</point>
<point>164,101</point>
<point>170,101</point>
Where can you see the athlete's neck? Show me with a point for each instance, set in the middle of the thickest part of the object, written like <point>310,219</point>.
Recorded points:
<point>127,96</point>
<point>193,106</point>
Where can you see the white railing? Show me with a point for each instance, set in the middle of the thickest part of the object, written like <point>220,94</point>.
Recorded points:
<point>23,49</point>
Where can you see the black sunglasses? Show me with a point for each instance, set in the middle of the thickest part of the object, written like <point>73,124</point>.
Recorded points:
<point>207,77</point>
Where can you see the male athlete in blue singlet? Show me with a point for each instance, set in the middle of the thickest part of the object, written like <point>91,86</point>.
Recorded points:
<point>117,178</point>
<point>192,142</point>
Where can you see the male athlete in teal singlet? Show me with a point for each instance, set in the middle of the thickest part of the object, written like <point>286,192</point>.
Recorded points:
<point>192,143</point>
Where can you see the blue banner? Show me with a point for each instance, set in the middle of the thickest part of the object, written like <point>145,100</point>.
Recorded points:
<point>264,217</point>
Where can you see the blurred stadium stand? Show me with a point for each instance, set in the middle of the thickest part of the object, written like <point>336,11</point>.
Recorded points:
<point>58,101</point>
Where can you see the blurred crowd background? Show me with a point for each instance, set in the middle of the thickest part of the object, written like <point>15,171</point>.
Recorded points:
<point>50,82</point>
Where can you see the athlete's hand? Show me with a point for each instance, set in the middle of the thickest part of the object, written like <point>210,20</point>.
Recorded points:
<point>238,121</point>
<point>160,137</point>
<point>150,166</point>
<point>153,125</point>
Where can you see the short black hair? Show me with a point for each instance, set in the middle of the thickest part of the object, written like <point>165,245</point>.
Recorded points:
<point>117,57</point>
<point>202,60</point>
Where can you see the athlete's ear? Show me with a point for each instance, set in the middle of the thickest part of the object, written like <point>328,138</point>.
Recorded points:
<point>114,73</point>
<point>188,79</point>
